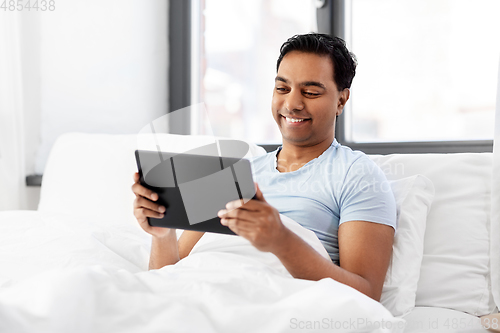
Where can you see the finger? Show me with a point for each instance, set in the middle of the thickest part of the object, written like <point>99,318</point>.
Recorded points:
<point>143,213</point>
<point>141,202</point>
<point>221,213</point>
<point>136,177</point>
<point>252,205</point>
<point>234,204</point>
<point>144,223</point>
<point>239,224</point>
<point>231,224</point>
<point>258,193</point>
<point>240,215</point>
<point>241,228</point>
<point>138,189</point>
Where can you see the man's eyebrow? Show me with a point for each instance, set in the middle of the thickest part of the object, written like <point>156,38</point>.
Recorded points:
<point>313,83</point>
<point>303,84</point>
<point>282,79</point>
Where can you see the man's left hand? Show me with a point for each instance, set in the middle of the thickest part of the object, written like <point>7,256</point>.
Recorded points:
<point>256,220</point>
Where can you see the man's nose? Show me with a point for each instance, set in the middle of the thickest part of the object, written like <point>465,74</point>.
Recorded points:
<point>294,101</point>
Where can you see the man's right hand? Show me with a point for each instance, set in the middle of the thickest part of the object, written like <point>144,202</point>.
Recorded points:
<point>145,206</point>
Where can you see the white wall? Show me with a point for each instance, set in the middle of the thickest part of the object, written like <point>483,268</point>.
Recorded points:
<point>91,66</point>
<point>30,55</point>
<point>103,66</point>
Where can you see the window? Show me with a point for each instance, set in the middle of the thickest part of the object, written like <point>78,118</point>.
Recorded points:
<point>235,47</point>
<point>427,69</point>
<point>425,79</point>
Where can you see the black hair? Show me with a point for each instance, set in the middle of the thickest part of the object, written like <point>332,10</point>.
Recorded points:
<point>344,61</point>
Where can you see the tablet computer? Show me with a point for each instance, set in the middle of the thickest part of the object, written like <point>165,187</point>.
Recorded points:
<point>193,188</point>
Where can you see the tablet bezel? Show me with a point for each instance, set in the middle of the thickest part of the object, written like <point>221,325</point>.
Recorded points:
<point>170,196</point>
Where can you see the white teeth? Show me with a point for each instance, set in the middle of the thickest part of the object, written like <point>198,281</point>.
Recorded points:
<point>293,120</point>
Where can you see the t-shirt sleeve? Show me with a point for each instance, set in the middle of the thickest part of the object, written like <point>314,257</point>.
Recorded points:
<point>367,195</point>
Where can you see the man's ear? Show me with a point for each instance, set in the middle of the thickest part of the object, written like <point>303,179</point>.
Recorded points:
<point>343,98</point>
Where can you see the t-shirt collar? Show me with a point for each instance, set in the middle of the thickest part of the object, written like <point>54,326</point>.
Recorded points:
<point>334,144</point>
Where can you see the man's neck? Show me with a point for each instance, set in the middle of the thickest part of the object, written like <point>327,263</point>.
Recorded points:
<point>292,157</point>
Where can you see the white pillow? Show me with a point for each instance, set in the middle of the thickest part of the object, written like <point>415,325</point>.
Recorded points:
<point>495,205</point>
<point>90,175</point>
<point>455,270</point>
<point>413,200</point>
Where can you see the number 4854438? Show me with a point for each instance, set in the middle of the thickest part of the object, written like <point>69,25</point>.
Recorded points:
<point>28,5</point>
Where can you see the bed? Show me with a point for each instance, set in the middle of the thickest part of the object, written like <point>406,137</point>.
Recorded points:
<point>79,263</point>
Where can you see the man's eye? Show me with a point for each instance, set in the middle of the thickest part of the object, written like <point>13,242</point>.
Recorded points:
<point>280,89</point>
<point>311,94</point>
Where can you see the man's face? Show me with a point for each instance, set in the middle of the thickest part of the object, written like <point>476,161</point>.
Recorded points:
<point>306,99</point>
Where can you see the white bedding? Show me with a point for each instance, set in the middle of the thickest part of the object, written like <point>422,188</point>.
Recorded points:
<point>441,320</point>
<point>59,273</point>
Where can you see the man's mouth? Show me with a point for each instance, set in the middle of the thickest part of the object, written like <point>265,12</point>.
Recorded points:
<point>294,120</point>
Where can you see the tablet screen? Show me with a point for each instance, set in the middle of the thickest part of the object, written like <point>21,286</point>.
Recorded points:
<point>193,188</point>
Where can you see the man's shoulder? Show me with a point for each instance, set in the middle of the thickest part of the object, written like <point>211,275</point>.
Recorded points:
<point>261,161</point>
<point>352,162</point>
<point>347,157</point>
<point>260,158</point>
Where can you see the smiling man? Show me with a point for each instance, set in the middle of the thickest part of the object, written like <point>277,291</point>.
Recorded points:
<point>339,194</point>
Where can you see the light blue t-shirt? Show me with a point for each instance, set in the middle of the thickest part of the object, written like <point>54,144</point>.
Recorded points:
<point>338,186</point>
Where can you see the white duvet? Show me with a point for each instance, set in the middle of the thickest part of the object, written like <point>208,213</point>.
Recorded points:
<point>63,274</point>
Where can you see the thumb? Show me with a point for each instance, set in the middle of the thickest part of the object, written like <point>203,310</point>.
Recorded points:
<point>258,193</point>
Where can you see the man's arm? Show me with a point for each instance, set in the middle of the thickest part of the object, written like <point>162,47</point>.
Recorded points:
<point>365,248</point>
<point>187,241</point>
<point>165,249</point>
<point>168,251</point>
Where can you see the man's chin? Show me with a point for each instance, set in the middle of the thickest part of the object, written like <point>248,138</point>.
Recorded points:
<point>296,140</point>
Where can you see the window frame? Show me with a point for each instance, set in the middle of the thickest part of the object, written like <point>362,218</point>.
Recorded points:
<point>336,13</point>
<point>331,20</point>
<point>179,76</point>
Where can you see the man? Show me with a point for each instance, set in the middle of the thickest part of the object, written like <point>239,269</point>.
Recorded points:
<point>335,192</point>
